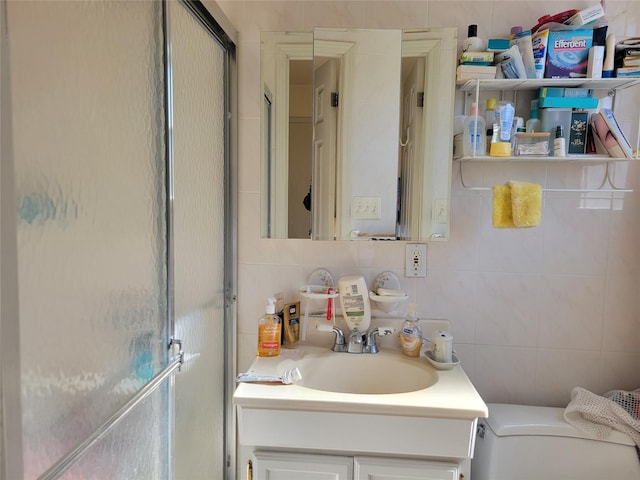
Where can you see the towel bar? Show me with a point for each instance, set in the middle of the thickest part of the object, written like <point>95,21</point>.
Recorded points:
<point>606,179</point>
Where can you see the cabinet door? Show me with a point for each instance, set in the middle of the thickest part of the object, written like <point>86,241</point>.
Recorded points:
<point>369,468</point>
<point>295,466</point>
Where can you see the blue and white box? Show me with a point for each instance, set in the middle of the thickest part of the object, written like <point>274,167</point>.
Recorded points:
<point>568,53</point>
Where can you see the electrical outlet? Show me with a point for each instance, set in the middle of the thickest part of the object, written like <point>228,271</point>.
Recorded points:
<point>415,260</point>
<point>366,208</point>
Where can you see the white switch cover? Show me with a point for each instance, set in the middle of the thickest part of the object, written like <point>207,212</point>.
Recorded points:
<point>415,260</point>
<point>440,210</point>
<point>366,208</point>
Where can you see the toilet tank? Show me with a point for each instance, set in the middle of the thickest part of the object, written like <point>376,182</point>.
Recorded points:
<point>526,443</point>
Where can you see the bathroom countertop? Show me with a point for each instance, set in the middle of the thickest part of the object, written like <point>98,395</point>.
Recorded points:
<point>452,396</point>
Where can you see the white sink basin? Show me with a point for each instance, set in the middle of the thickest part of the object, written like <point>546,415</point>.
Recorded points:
<point>378,373</point>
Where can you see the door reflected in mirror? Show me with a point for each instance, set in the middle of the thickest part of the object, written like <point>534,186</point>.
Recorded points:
<point>365,144</point>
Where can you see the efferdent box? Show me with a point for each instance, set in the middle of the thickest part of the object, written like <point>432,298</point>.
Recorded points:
<point>567,53</point>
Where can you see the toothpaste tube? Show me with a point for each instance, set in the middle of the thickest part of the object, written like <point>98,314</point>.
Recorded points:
<point>540,41</point>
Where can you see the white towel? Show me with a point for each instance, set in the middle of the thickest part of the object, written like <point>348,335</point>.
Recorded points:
<point>596,415</point>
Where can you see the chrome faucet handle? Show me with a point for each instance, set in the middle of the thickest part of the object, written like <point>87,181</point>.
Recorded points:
<point>340,345</point>
<point>356,341</point>
<point>370,345</point>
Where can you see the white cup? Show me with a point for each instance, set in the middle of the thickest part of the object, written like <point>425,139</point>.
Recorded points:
<point>442,346</point>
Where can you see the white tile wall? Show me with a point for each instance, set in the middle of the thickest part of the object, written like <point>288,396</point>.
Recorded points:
<point>533,312</point>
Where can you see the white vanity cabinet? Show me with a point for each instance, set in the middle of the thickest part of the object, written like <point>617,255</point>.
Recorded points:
<point>366,468</point>
<point>297,466</point>
<point>294,466</point>
<point>293,432</point>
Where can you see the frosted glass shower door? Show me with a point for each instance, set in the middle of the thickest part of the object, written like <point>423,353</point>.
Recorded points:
<point>87,83</point>
<point>198,141</point>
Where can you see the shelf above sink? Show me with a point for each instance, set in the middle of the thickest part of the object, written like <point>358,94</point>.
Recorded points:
<point>531,84</point>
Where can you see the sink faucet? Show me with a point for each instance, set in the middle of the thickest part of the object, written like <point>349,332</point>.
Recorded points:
<point>370,345</point>
<point>340,345</point>
<point>358,341</point>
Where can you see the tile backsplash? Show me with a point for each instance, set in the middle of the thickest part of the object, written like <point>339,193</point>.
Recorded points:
<point>533,312</point>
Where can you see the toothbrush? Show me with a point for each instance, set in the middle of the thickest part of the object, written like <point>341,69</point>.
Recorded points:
<point>329,305</point>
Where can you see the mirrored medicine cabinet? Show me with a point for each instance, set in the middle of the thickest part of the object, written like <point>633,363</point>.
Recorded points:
<point>355,133</point>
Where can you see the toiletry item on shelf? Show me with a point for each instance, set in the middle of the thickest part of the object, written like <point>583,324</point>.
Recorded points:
<point>524,42</point>
<point>472,43</point>
<point>609,56</point>
<point>533,124</point>
<point>269,331</point>
<point>501,140</point>
<point>490,119</point>
<point>291,324</point>
<point>540,41</point>
<point>567,53</point>
<point>577,143</point>
<point>532,144</point>
<point>596,53</point>
<point>354,300</point>
<point>411,335</point>
<point>559,143</point>
<point>474,134</point>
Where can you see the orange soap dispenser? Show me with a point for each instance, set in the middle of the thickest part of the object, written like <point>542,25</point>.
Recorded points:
<point>269,331</point>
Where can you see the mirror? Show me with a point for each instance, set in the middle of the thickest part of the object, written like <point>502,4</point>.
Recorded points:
<point>381,147</point>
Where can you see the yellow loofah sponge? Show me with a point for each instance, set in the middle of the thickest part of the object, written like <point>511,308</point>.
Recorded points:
<point>526,204</point>
<point>517,204</point>
<point>502,211</point>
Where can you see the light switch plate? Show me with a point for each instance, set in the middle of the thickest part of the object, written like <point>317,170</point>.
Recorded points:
<point>366,208</point>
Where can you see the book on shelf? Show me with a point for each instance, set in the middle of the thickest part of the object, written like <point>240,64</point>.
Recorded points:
<point>628,71</point>
<point>608,135</point>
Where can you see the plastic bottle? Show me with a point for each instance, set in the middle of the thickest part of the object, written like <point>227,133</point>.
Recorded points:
<point>533,124</point>
<point>472,43</point>
<point>354,301</point>
<point>501,140</point>
<point>490,119</point>
<point>269,331</point>
<point>411,335</point>
<point>559,143</point>
<point>474,138</point>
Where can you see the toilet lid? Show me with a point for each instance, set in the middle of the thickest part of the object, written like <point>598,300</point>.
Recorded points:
<point>508,420</point>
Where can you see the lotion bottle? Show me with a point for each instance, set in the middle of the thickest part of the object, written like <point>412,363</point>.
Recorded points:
<point>472,43</point>
<point>533,124</point>
<point>269,331</point>
<point>354,301</point>
<point>411,335</point>
<point>559,143</point>
<point>474,137</point>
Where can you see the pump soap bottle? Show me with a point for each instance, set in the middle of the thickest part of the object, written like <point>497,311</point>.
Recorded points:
<point>269,331</point>
<point>411,336</point>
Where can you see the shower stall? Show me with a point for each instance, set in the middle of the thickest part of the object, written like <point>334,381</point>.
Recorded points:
<point>118,272</point>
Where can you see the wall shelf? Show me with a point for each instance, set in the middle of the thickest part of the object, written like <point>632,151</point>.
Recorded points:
<point>532,84</point>
<point>611,85</point>
<point>582,159</point>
